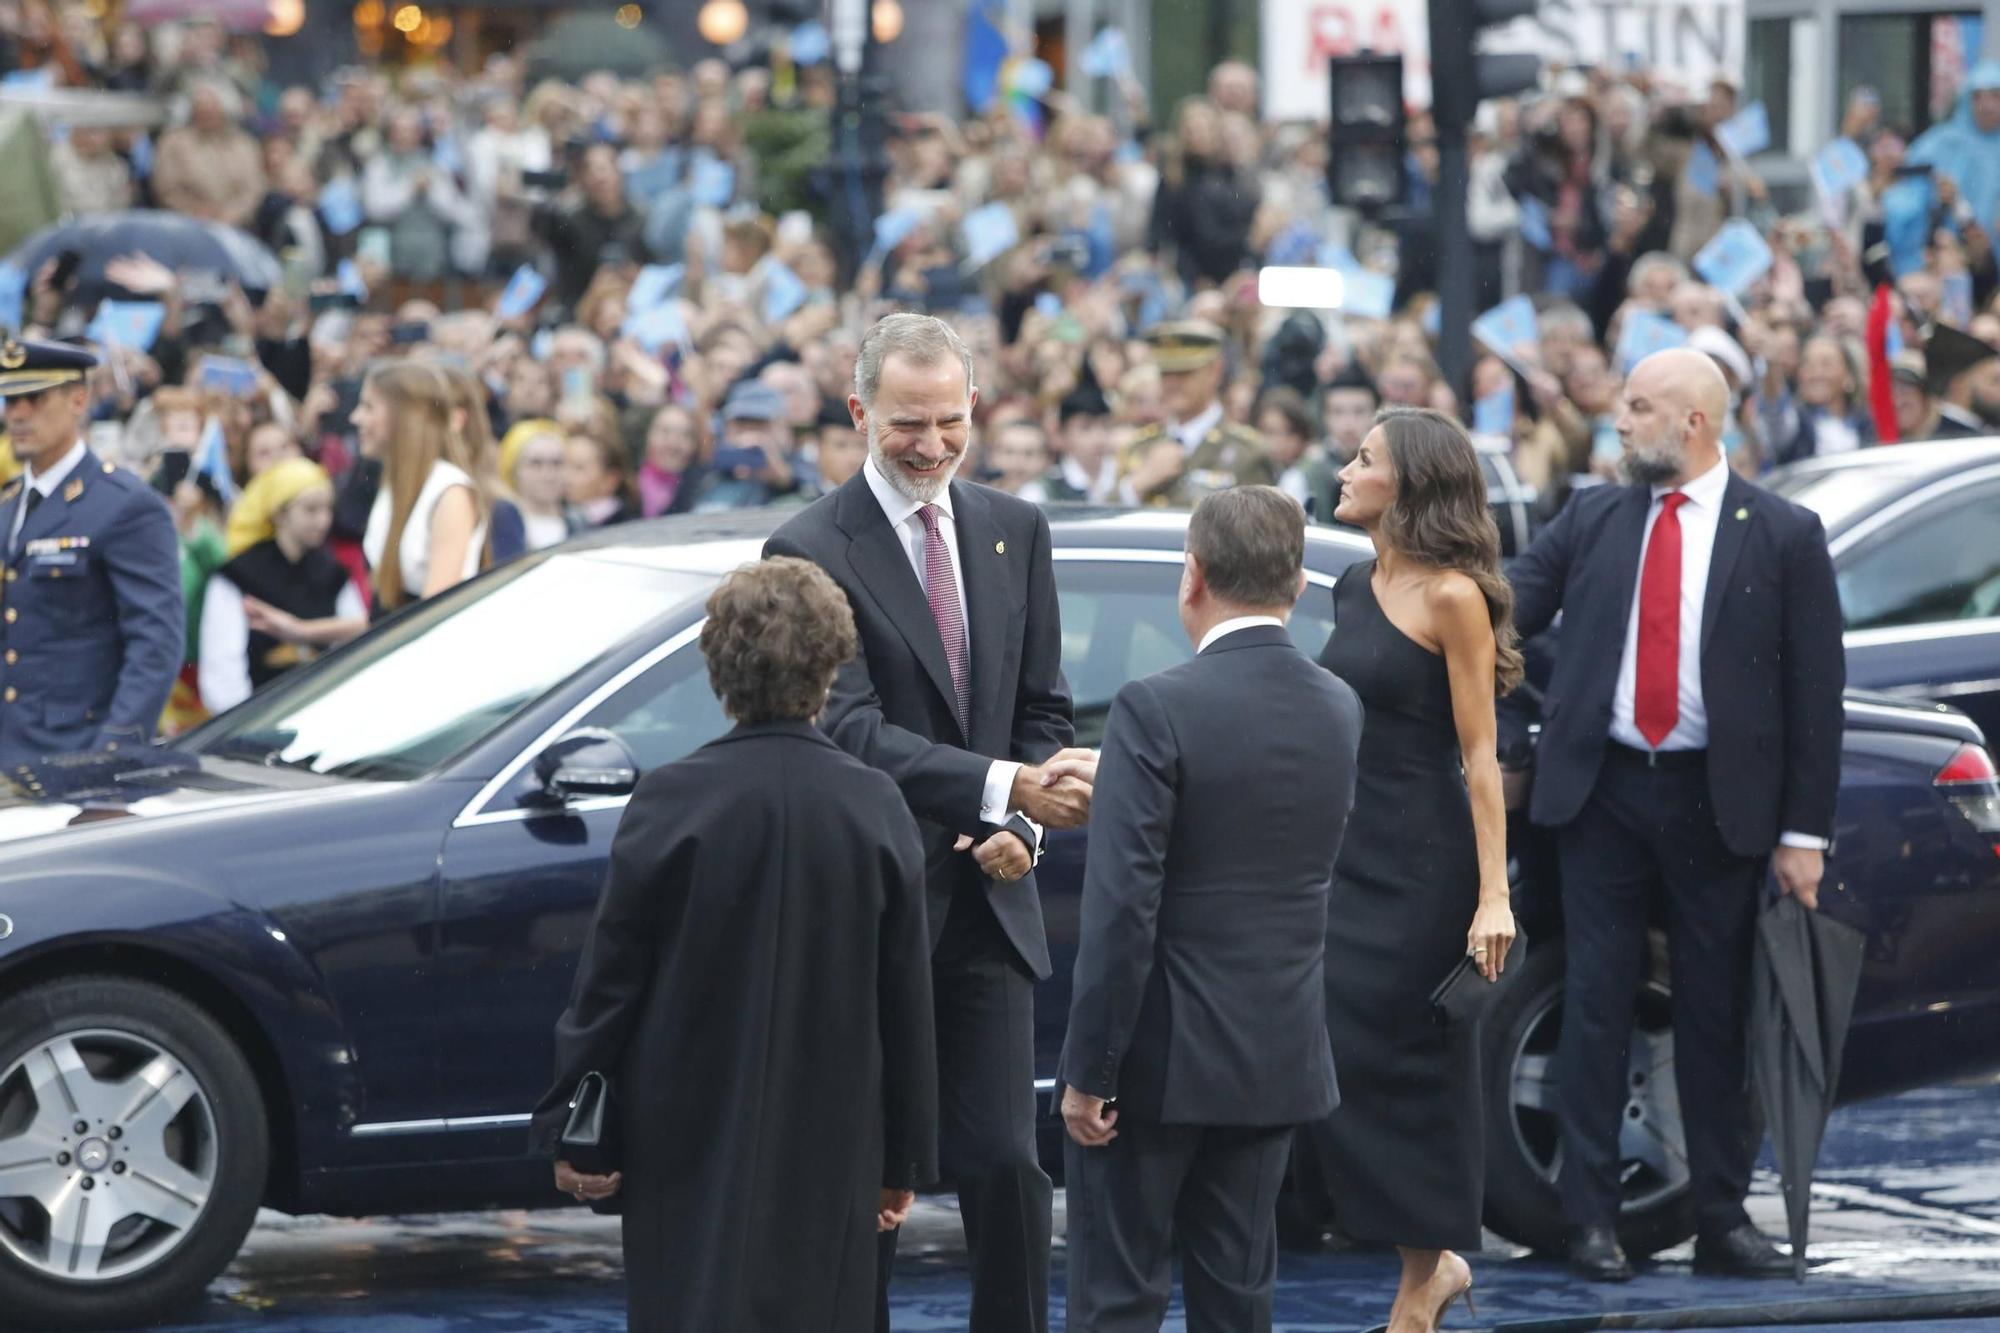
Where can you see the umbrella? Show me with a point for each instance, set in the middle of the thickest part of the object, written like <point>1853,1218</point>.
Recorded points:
<point>1802,986</point>
<point>206,254</point>
<point>581,44</point>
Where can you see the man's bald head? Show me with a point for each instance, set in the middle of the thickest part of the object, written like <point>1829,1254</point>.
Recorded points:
<point>1671,417</point>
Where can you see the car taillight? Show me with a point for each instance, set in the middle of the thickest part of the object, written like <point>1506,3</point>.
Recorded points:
<point>1971,783</point>
<point>1970,764</point>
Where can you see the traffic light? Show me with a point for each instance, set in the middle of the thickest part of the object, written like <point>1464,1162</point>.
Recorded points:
<point>1365,146</point>
<point>1461,78</point>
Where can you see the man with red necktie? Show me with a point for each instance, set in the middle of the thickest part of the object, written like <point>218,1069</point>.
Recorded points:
<point>1691,741</point>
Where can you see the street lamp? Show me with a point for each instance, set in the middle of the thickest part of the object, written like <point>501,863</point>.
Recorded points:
<point>723,22</point>
<point>887,20</point>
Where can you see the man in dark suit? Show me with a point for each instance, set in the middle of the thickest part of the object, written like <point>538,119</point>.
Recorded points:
<point>1691,740</point>
<point>957,693</point>
<point>90,587</point>
<point>1200,1002</point>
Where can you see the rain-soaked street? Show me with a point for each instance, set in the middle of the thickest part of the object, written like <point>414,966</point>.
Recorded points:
<point>1908,1203</point>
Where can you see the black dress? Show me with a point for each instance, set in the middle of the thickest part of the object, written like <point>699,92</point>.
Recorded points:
<point>1403,1153</point>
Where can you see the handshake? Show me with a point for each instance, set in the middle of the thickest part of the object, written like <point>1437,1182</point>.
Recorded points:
<point>1055,794</point>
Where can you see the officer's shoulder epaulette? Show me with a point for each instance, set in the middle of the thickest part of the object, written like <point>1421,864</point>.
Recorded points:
<point>123,479</point>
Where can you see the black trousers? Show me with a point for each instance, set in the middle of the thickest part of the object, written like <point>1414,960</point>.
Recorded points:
<point>1210,1191</point>
<point>984,997</point>
<point>1647,839</point>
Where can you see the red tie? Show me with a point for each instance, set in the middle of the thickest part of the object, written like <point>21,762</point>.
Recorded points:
<point>1656,690</point>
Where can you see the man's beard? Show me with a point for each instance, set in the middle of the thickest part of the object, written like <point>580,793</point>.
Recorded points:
<point>923,491</point>
<point>1649,462</point>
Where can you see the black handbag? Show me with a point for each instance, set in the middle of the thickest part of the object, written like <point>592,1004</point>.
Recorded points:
<point>1463,996</point>
<point>589,1139</point>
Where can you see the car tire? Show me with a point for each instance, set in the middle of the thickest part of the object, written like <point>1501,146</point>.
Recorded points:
<point>1517,1060</point>
<point>114,1035</point>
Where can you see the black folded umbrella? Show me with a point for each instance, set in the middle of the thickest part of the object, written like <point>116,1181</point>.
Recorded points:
<point>1802,985</point>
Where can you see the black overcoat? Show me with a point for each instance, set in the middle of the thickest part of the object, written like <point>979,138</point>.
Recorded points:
<point>758,979</point>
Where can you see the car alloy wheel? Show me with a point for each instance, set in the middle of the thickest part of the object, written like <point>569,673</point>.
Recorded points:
<point>108,1154</point>
<point>1652,1148</point>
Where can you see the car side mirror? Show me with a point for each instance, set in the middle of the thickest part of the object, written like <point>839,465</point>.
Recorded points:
<point>589,762</point>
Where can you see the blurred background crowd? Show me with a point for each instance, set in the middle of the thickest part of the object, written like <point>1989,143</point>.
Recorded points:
<point>636,278</point>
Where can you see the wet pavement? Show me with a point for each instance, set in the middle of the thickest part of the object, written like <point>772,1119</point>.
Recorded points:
<point>1908,1202</point>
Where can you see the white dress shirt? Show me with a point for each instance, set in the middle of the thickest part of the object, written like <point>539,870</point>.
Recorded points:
<point>1698,523</point>
<point>45,482</point>
<point>1700,516</point>
<point>1194,430</point>
<point>908,524</point>
<point>1231,626</point>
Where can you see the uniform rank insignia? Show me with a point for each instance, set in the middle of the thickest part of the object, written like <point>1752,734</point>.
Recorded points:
<point>74,489</point>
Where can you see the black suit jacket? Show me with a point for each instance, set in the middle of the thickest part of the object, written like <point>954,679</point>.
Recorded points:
<point>892,705</point>
<point>1223,790</point>
<point>1772,663</point>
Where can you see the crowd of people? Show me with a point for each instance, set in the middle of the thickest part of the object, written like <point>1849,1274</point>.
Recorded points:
<point>632,299</point>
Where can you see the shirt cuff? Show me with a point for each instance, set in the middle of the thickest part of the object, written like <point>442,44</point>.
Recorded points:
<point>993,808</point>
<point>993,804</point>
<point>1805,840</point>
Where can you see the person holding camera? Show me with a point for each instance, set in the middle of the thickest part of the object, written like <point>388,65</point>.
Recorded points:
<point>773,885</point>
<point>591,224</point>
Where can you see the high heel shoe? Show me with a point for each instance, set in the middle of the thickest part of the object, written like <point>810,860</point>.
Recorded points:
<point>1471,1307</point>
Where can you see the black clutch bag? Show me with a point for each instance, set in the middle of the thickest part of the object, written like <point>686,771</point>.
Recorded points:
<point>589,1139</point>
<point>1462,997</point>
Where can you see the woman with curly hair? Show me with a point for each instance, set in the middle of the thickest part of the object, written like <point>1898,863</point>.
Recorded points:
<point>774,885</point>
<point>1425,636</point>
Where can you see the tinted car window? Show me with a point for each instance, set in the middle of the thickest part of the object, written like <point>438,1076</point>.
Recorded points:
<point>666,714</point>
<point>1841,494</point>
<point>1121,620</point>
<point>447,672</point>
<point>1942,564</point>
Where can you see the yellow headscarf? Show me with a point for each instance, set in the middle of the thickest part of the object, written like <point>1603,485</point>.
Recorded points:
<point>254,518</point>
<point>516,439</point>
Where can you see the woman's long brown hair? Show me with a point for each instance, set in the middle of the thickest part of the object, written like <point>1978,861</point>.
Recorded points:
<point>1441,518</point>
<point>419,400</point>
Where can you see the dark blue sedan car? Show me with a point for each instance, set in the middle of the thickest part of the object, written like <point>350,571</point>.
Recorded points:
<point>311,956</point>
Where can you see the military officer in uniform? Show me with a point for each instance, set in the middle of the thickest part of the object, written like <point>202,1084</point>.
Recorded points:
<point>90,593</point>
<point>1198,451</point>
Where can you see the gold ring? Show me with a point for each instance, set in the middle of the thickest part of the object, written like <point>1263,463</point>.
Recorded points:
<point>1480,949</point>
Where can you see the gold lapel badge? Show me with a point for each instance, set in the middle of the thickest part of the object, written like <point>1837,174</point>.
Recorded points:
<point>1742,514</point>
<point>74,489</point>
<point>999,548</point>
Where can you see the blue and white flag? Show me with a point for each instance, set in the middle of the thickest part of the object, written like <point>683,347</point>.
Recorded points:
<point>211,460</point>
<point>1734,258</point>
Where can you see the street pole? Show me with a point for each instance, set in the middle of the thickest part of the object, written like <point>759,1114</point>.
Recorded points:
<point>1456,280</point>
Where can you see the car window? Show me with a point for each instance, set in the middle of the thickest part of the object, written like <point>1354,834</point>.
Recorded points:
<point>1939,564</point>
<point>1840,495</point>
<point>1121,620</point>
<point>445,673</point>
<point>666,714</point>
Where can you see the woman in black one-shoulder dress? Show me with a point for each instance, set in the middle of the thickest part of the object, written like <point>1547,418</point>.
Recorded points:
<point>1423,634</point>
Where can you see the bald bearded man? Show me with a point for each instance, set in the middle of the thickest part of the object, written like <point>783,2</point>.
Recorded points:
<point>1691,740</point>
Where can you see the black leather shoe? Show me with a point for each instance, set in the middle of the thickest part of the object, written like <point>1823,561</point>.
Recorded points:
<point>1743,1252</point>
<point>1594,1252</point>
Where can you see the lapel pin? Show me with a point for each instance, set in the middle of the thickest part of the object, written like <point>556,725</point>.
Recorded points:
<point>1742,514</point>
<point>999,548</point>
<point>74,489</point>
